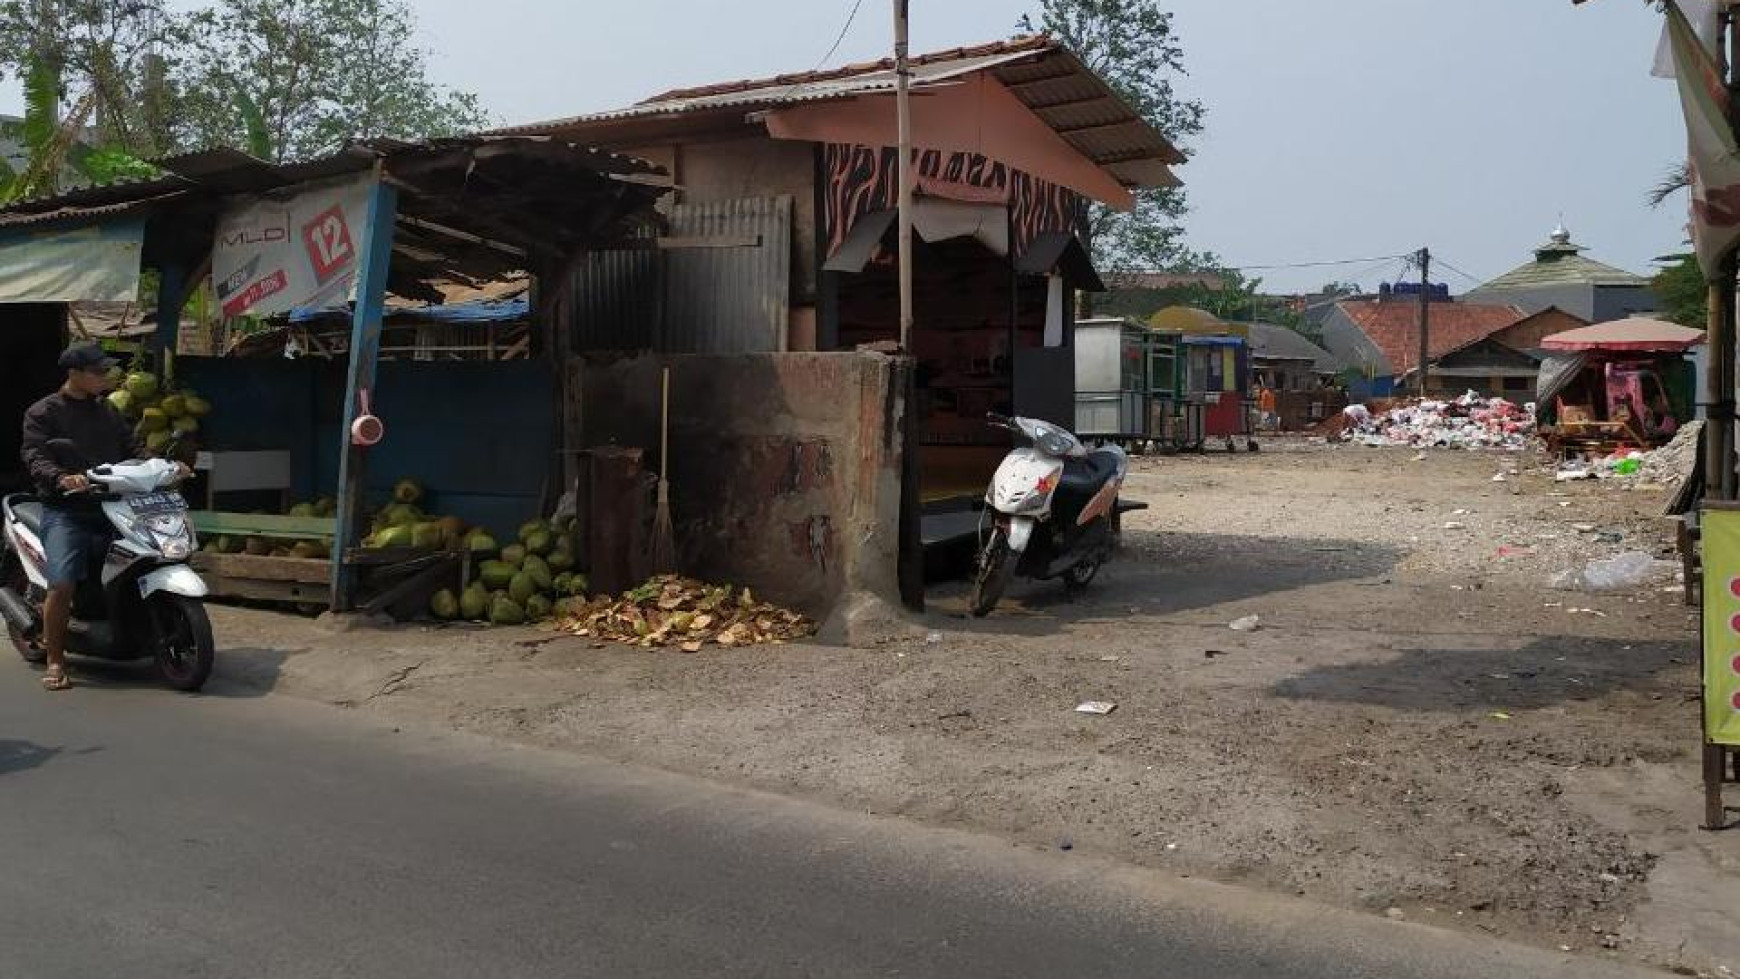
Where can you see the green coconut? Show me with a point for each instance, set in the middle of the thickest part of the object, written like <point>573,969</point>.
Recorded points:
<point>474,601</point>
<point>522,587</point>
<point>426,535</point>
<point>506,611</point>
<point>408,491</point>
<point>122,402</point>
<point>495,574</point>
<point>560,561</point>
<point>538,571</point>
<point>444,605</point>
<point>197,406</point>
<point>514,554</point>
<point>173,405</point>
<point>141,385</point>
<point>153,420</point>
<point>531,527</point>
<point>480,542</point>
<point>156,442</point>
<point>537,608</point>
<point>540,542</point>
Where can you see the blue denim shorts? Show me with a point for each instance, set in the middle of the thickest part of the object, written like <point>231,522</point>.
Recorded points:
<point>71,542</point>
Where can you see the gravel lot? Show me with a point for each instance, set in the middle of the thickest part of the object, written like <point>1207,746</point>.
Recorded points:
<point>1420,727</point>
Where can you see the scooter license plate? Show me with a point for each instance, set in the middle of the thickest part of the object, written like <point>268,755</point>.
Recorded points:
<point>157,503</point>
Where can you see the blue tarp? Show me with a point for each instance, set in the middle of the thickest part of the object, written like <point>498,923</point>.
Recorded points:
<point>479,312</point>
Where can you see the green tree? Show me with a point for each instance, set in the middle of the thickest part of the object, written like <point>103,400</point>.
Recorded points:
<point>109,62</point>
<point>1682,291</point>
<point>292,79</point>
<point>1132,45</point>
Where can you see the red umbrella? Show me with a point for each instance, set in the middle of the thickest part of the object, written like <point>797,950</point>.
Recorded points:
<point>1633,333</point>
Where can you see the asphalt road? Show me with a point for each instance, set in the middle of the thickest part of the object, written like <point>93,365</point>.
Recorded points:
<point>154,835</point>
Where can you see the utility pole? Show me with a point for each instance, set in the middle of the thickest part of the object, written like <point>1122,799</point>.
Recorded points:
<point>910,564</point>
<point>1425,313</point>
<point>903,109</point>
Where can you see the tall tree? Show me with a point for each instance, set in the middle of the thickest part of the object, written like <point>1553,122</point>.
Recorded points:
<point>291,79</point>
<point>1681,290</point>
<point>1133,46</point>
<point>109,60</point>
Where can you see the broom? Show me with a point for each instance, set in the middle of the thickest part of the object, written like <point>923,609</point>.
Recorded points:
<point>664,534</point>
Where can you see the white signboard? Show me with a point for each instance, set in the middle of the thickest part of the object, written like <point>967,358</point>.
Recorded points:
<point>93,264</point>
<point>275,255</point>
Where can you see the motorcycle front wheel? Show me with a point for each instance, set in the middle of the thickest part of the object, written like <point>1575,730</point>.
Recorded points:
<point>185,649</point>
<point>996,567</point>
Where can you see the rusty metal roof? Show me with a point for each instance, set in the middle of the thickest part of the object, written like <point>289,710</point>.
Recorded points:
<point>1043,74</point>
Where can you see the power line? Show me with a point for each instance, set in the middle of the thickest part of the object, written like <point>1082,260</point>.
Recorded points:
<point>850,18</point>
<point>1312,265</point>
<point>1465,275</point>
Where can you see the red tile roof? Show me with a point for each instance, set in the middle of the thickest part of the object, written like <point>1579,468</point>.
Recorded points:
<point>1394,327</point>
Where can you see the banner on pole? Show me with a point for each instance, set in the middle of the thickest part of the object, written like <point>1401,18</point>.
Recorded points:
<point>273,255</point>
<point>96,263</point>
<point>1721,542</point>
<point>1713,154</point>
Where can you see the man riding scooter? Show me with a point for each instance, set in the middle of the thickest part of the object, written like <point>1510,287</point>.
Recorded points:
<point>74,530</point>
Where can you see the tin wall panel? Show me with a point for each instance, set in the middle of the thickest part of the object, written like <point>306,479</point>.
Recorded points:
<point>732,293</point>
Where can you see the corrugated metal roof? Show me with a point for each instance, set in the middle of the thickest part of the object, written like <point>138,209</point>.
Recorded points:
<point>222,171</point>
<point>1043,74</point>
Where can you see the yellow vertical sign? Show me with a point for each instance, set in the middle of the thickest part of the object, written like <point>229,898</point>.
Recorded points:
<point>1721,537</point>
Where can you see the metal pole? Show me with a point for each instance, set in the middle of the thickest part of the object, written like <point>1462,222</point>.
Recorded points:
<point>1425,312</point>
<point>903,109</point>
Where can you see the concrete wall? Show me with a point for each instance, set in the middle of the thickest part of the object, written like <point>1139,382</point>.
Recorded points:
<point>785,468</point>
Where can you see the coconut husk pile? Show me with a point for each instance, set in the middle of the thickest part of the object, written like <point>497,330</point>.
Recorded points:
<point>674,611</point>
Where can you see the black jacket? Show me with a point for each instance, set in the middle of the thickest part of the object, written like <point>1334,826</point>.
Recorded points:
<point>92,424</point>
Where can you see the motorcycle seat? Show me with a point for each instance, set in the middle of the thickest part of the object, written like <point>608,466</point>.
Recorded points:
<point>1082,478</point>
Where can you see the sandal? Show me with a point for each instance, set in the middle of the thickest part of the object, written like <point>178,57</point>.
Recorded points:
<point>56,679</point>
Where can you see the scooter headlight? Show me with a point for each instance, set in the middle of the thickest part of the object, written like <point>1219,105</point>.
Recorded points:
<point>171,534</point>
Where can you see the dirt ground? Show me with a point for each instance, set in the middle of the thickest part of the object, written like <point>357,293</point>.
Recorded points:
<point>1420,727</point>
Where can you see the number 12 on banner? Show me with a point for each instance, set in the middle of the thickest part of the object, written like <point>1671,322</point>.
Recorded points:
<point>327,239</point>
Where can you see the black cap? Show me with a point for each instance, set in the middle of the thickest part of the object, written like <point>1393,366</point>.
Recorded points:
<point>85,357</point>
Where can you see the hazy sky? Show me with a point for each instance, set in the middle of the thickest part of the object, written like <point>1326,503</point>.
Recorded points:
<point>1336,130</point>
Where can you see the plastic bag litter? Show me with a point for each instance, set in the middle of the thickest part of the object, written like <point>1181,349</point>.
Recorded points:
<point>1618,573</point>
<point>1249,623</point>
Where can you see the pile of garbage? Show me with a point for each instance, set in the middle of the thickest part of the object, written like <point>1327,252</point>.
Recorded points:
<point>1673,463</point>
<point>1468,422</point>
<point>674,611</point>
<point>1668,465</point>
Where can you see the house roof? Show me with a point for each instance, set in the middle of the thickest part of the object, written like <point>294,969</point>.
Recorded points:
<point>1560,262</point>
<point>1634,333</point>
<point>1272,342</point>
<point>1040,72</point>
<point>1394,327</point>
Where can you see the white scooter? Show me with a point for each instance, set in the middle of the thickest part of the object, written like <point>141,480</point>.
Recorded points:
<point>144,602</point>
<point>1055,511</point>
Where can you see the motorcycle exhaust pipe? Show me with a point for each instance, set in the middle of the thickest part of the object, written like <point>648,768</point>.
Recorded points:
<point>17,612</point>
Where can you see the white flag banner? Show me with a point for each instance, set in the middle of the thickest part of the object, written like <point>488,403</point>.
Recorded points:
<point>1705,16</point>
<point>1714,155</point>
<point>276,254</point>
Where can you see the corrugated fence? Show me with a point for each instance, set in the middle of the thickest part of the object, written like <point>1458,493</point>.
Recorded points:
<point>722,286</point>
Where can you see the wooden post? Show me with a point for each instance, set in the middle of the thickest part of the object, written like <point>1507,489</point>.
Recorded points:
<point>171,295</point>
<point>365,346</point>
<point>1425,316</point>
